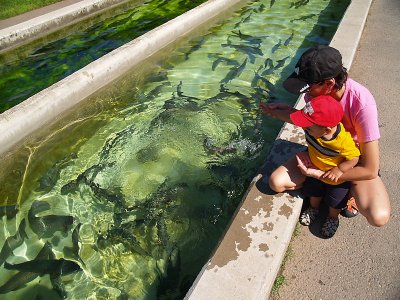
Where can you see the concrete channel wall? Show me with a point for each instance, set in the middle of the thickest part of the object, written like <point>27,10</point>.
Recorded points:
<point>49,22</point>
<point>249,255</point>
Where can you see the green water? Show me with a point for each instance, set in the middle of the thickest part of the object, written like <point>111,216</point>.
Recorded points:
<point>25,74</point>
<point>136,187</point>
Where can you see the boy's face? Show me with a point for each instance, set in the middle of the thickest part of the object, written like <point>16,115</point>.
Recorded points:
<point>317,89</point>
<point>321,88</point>
<point>316,130</point>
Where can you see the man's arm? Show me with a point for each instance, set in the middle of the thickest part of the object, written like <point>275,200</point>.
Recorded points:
<point>348,164</point>
<point>336,172</point>
<point>278,111</point>
<point>368,165</point>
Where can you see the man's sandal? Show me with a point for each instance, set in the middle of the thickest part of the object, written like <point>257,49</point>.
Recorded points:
<point>351,209</point>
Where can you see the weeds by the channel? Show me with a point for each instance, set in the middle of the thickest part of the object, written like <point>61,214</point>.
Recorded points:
<point>280,280</point>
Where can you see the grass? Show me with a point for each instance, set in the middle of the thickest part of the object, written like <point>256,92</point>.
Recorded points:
<point>281,279</point>
<point>11,8</point>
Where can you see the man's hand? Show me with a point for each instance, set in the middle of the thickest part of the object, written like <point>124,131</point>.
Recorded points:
<point>279,111</point>
<point>306,167</point>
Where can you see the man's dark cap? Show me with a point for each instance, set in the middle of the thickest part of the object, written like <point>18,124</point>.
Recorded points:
<point>317,64</point>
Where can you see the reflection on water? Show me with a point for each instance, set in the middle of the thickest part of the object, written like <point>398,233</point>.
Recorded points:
<point>128,202</point>
<point>49,63</point>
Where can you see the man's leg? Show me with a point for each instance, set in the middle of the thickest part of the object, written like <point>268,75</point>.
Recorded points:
<point>287,177</point>
<point>372,200</point>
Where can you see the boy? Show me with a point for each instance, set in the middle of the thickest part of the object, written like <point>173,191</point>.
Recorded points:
<point>331,152</point>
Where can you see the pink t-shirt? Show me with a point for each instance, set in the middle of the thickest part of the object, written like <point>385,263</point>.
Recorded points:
<point>360,112</point>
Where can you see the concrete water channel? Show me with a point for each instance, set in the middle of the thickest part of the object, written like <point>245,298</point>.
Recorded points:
<point>35,66</point>
<point>76,176</point>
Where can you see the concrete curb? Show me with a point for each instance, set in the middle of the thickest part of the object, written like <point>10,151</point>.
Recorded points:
<point>23,119</point>
<point>50,22</point>
<point>248,258</point>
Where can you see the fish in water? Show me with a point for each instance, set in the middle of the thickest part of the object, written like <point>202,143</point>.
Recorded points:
<point>234,72</point>
<point>256,40</point>
<point>227,61</point>
<point>268,63</point>
<point>17,281</point>
<point>281,62</point>
<point>53,267</point>
<point>300,3</point>
<point>31,269</point>
<point>46,226</point>
<point>303,18</point>
<point>276,47</point>
<point>260,8</point>
<point>288,40</point>
<point>9,210</point>
<point>267,83</point>
<point>169,278</point>
<point>243,20</point>
<point>250,51</point>
<point>13,242</point>
<point>20,279</point>
<point>73,252</point>
<point>50,178</point>
<point>195,47</point>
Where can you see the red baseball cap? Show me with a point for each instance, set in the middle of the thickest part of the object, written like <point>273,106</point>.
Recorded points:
<point>322,110</point>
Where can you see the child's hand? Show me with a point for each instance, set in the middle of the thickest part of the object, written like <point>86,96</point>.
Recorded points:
<point>333,174</point>
<point>306,167</point>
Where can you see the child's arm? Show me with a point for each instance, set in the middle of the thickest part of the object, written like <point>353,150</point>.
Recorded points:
<point>335,173</point>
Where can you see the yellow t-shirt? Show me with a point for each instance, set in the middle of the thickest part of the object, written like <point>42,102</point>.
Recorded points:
<point>326,154</point>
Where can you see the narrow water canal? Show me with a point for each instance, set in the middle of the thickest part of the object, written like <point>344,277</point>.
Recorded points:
<point>34,67</point>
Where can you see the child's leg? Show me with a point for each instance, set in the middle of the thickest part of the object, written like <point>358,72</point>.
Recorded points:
<point>313,189</point>
<point>334,213</point>
<point>331,223</point>
<point>315,202</point>
<point>335,198</point>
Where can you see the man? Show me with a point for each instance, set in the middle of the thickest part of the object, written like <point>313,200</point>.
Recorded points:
<point>320,71</point>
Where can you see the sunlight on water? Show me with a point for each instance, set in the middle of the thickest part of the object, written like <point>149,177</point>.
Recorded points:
<point>128,199</point>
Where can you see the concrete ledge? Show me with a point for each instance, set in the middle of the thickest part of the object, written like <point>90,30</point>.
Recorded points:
<point>248,258</point>
<point>350,29</point>
<point>25,118</point>
<point>49,22</point>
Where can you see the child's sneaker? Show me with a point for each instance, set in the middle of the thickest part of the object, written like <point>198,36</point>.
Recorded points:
<point>308,216</point>
<point>329,228</point>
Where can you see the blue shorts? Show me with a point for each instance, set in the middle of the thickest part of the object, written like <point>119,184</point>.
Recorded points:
<point>333,195</point>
